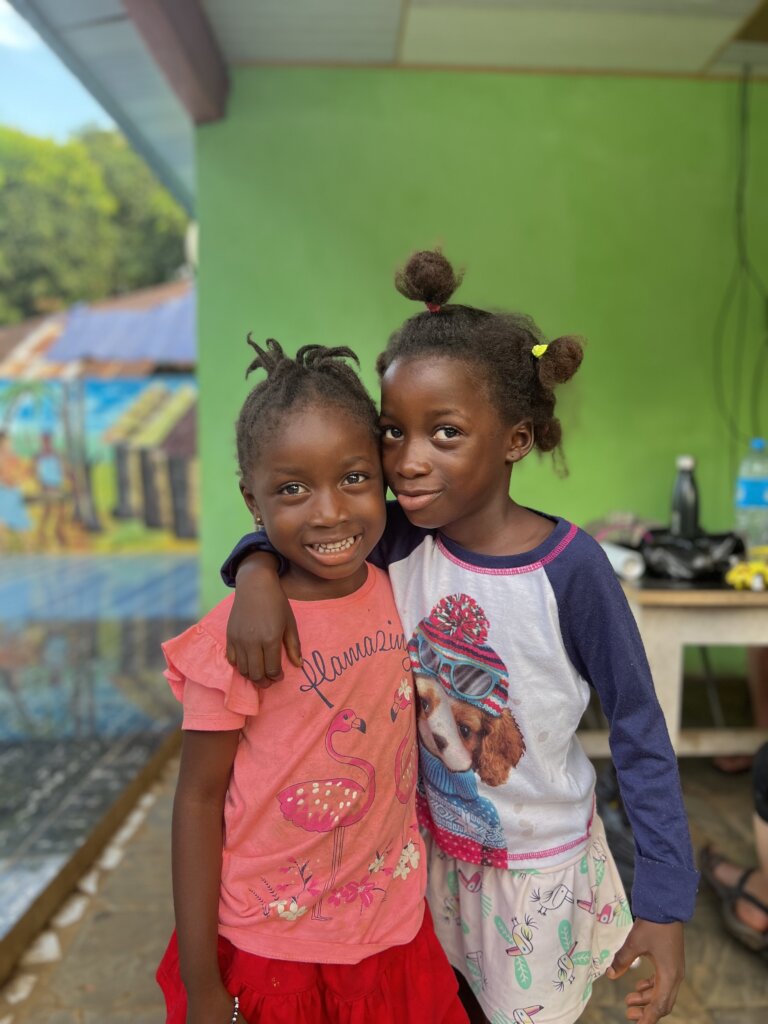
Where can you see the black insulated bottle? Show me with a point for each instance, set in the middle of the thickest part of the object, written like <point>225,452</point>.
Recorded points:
<point>685,500</point>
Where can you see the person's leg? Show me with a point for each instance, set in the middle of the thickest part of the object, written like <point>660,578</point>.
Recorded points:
<point>757,678</point>
<point>757,682</point>
<point>756,884</point>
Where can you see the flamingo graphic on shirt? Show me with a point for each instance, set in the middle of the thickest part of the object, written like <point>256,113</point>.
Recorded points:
<point>331,804</point>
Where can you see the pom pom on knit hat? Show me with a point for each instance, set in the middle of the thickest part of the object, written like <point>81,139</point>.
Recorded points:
<point>457,628</point>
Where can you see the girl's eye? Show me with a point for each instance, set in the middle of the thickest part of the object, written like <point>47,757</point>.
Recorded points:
<point>447,433</point>
<point>391,433</point>
<point>292,489</point>
<point>355,478</point>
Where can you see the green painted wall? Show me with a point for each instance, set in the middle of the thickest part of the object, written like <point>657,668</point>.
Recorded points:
<point>600,205</point>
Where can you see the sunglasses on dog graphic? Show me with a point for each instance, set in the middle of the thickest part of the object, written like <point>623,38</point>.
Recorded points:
<point>466,679</point>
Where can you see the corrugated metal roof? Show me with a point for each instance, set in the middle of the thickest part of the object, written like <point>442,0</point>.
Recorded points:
<point>164,334</point>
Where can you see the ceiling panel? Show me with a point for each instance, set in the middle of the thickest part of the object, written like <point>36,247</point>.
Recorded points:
<point>563,40</point>
<point>695,8</point>
<point>344,31</point>
<point>66,13</point>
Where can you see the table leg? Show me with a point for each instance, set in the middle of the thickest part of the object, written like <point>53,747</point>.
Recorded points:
<point>661,634</point>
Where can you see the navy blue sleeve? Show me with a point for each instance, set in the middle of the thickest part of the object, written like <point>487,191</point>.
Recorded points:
<point>400,537</point>
<point>247,545</point>
<point>604,645</point>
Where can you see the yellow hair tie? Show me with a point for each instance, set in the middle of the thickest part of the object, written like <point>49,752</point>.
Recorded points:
<point>539,350</point>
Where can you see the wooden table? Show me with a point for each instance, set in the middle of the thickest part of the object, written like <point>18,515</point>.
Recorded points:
<point>670,620</point>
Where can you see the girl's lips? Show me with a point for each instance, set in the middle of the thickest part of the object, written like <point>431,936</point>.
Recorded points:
<point>416,502</point>
<point>339,556</point>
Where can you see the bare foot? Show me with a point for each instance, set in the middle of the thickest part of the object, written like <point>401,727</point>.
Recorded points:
<point>756,885</point>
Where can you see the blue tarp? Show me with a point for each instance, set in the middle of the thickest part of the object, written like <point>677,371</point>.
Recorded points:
<point>162,334</point>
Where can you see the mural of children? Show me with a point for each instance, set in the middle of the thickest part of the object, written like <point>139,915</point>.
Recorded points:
<point>14,518</point>
<point>52,479</point>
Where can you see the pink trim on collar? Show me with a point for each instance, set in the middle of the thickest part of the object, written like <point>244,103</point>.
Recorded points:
<point>514,570</point>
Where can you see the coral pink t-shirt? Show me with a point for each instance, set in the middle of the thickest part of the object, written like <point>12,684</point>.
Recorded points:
<point>322,856</point>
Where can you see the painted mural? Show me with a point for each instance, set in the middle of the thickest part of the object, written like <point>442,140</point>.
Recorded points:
<point>98,465</point>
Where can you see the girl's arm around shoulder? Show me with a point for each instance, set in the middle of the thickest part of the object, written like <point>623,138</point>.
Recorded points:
<point>261,622</point>
<point>197,840</point>
<point>603,643</point>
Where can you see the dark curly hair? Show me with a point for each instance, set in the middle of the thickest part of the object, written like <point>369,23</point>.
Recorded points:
<point>316,374</point>
<point>498,345</point>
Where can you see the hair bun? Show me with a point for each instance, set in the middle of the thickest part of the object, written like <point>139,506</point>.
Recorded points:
<point>561,360</point>
<point>427,277</point>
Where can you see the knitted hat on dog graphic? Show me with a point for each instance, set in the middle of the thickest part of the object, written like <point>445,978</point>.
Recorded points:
<point>449,645</point>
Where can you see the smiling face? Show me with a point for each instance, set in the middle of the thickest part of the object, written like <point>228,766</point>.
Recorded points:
<point>317,484</point>
<point>446,452</point>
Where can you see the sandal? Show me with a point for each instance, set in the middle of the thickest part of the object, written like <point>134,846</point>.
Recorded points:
<point>729,895</point>
<point>754,940</point>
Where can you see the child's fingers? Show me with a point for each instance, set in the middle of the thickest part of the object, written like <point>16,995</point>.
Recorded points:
<point>273,659</point>
<point>251,666</point>
<point>649,1004</point>
<point>641,990</point>
<point>293,644</point>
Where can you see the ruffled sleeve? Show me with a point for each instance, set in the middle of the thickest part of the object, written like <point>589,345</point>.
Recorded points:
<point>197,657</point>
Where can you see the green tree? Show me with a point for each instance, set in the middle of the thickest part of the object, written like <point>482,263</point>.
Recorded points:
<point>57,237</point>
<point>149,222</point>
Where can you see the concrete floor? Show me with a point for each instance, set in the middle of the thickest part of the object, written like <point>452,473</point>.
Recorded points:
<point>107,958</point>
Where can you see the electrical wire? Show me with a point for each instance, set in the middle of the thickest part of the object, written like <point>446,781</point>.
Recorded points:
<point>744,276</point>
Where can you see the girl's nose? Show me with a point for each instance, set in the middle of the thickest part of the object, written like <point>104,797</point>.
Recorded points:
<point>412,462</point>
<point>328,510</point>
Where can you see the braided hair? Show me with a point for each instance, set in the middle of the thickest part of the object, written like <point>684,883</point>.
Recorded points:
<point>316,374</point>
<point>498,345</point>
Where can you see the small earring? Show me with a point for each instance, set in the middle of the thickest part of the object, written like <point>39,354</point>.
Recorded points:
<point>258,522</point>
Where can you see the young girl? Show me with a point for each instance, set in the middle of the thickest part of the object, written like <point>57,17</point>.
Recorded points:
<point>512,617</point>
<point>298,872</point>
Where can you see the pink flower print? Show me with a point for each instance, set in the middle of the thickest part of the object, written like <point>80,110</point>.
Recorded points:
<point>461,616</point>
<point>366,892</point>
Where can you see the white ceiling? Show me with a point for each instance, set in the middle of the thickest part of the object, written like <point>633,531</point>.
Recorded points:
<point>100,44</point>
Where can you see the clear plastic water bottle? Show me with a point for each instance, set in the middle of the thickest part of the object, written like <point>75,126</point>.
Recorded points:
<point>685,500</point>
<point>752,499</point>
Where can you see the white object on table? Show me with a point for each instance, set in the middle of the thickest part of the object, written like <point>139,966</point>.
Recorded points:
<point>627,564</point>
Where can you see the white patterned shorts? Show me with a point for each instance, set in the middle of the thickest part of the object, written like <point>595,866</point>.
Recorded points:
<point>531,943</point>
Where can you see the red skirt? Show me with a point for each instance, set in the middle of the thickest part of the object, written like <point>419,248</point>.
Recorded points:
<point>410,984</point>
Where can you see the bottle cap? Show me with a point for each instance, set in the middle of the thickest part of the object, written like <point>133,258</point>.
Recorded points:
<point>685,462</point>
<point>757,444</point>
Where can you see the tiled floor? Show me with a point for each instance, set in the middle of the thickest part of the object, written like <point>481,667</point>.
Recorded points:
<point>106,969</point>
<point>82,705</point>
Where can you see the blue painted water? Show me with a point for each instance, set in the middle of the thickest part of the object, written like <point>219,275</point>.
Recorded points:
<point>83,701</point>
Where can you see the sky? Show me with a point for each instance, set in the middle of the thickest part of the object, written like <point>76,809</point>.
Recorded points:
<point>38,94</point>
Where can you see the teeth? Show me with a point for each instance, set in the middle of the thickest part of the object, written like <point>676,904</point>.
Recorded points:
<point>339,545</point>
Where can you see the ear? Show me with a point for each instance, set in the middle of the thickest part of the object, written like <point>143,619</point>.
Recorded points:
<point>519,441</point>
<point>503,746</point>
<point>250,501</point>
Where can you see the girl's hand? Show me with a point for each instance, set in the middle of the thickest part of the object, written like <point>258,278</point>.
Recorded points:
<point>214,1007</point>
<point>653,997</point>
<point>261,622</point>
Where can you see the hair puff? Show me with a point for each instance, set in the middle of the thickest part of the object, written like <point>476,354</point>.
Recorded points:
<point>428,277</point>
<point>561,360</point>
